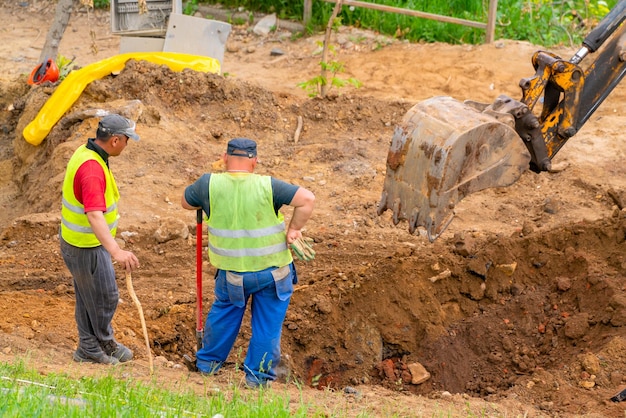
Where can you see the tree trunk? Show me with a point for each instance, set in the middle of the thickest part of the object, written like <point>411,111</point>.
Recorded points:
<point>55,33</point>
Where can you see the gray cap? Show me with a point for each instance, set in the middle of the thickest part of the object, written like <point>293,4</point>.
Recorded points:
<point>116,124</point>
<point>241,147</point>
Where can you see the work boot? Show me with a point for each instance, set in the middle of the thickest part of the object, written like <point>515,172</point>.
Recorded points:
<point>209,368</point>
<point>100,357</point>
<point>253,382</point>
<point>116,350</point>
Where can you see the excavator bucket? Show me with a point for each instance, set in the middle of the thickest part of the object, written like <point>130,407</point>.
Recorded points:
<point>443,151</point>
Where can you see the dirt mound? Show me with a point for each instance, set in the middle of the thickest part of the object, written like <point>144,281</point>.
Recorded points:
<point>520,302</point>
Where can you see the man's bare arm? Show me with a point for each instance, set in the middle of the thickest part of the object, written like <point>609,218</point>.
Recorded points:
<point>303,202</point>
<point>101,230</point>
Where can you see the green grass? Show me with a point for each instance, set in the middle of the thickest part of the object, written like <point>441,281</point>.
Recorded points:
<point>26,393</point>
<point>541,22</point>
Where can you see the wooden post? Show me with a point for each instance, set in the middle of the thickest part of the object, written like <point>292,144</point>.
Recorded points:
<point>308,8</point>
<point>491,21</point>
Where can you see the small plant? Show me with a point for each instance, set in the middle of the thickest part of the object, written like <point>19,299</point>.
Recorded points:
<point>296,35</point>
<point>99,4</point>
<point>190,8</point>
<point>64,65</point>
<point>321,84</point>
<point>237,21</point>
<point>357,39</point>
<point>315,381</point>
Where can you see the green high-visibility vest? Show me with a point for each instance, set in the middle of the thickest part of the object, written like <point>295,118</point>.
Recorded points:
<point>75,227</point>
<point>245,234</point>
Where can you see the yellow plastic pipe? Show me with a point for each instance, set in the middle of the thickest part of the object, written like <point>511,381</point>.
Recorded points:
<point>73,85</point>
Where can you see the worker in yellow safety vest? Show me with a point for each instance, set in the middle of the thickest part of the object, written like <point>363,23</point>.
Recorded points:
<point>89,217</point>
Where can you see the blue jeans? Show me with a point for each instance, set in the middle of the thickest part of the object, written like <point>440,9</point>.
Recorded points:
<point>270,291</point>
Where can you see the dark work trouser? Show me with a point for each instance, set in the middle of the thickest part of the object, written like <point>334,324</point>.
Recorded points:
<point>96,291</point>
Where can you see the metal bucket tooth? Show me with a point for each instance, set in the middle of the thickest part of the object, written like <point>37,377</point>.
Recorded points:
<point>443,151</point>
<point>382,204</point>
<point>396,212</point>
<point>414,220</point>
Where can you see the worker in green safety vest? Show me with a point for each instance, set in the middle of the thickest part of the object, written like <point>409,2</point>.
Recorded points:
<point>249,246</point>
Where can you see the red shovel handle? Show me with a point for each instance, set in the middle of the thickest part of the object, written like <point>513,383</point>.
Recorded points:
<point>199,328</point>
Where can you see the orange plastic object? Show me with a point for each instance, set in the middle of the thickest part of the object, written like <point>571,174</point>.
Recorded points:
<point>46,71</point>
<point>76,81</point>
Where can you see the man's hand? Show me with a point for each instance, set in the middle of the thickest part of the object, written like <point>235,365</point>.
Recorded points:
<point>126,259</point>
<point>303,249</point>
<point>293,234</point>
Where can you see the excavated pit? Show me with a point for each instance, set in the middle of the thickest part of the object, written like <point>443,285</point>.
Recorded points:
<point>536,311</point>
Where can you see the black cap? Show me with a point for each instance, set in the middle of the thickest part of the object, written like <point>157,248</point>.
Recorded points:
<point>116,124</point>
<point>241,147</point>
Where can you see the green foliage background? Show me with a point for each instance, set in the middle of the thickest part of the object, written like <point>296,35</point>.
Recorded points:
<point>542,22</point>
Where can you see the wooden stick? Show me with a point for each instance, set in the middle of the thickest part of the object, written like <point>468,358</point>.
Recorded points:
<point>296,135</point>
<point>131,290</point>
<point>416,13</point>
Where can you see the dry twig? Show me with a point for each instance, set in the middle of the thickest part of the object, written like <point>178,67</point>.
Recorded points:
<point>296,135</point>
<point>131,290</point>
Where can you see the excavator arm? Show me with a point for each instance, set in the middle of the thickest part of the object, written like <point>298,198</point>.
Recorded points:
<point>444,149</point>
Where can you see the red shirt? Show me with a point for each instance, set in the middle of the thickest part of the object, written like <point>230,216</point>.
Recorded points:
<point>89,186</point>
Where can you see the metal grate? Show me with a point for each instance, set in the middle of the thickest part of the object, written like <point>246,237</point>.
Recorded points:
<point>126,19</point>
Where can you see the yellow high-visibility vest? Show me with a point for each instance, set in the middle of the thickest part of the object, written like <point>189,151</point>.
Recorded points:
<point>75,227</point>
